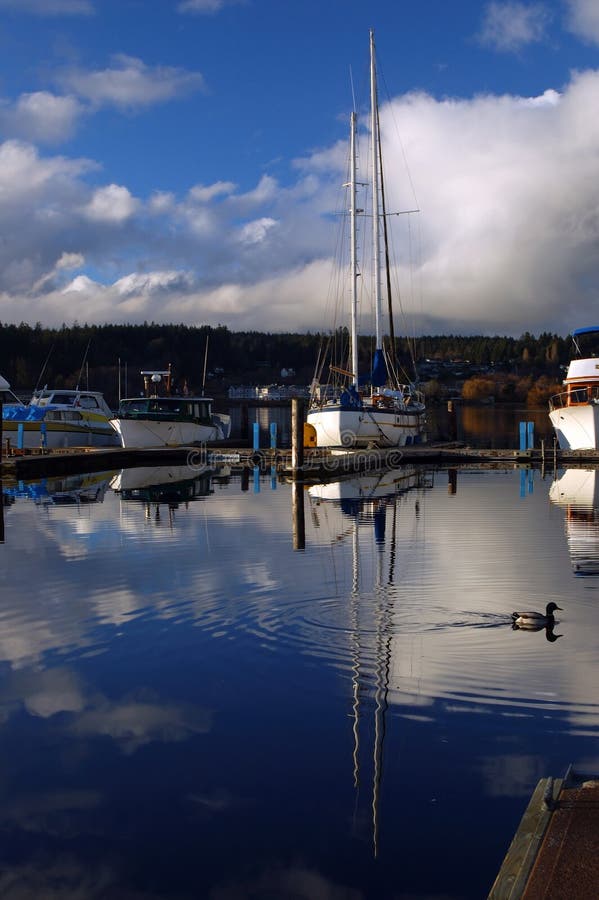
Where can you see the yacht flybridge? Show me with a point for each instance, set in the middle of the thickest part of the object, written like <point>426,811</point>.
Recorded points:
<point>574,413</point>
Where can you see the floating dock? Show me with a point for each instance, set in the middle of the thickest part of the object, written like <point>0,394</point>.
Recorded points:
<point>317,464</point>
<point>555,852</point>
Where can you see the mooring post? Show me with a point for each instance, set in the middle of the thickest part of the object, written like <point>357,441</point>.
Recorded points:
<point>297,435</point>
<point>299,522</point>
<point>273,435</point>
<point>256,441</point>
<point>453,427</point>
<point>531,435</point>
<point>522,435</point>
<point>244,426</point>
<point>452,481</point>
<point>20,428</point>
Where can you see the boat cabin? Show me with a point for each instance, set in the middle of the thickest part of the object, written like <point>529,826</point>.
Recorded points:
<point>93,401</point>
<point>6,395</point>
<point>582,380</point>
<point>180,409</point>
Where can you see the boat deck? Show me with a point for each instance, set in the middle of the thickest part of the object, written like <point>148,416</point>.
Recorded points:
<point>555,852</point>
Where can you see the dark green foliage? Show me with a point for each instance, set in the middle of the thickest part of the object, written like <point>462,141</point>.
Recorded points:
<point>233,357</point>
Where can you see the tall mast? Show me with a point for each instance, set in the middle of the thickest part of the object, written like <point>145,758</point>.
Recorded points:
<point>353,252</point>
<point>374,137</point>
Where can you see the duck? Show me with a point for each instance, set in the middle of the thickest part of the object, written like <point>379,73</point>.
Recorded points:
<point>535,620</point>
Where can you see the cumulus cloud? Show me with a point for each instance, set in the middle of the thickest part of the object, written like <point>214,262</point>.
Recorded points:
<point>50,7</point>
<point>204,7</point>
<point>112,203</point>
<point>41,116</point>
<point>510,26</point>
<point>583,19</point>
<point>507,237</point>
<point>130,83</point>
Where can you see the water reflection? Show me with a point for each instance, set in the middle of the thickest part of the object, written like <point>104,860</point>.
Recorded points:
<point>158,486</point>
<point>577,491</point>
<point>205,685</point>
<point>367,501</point>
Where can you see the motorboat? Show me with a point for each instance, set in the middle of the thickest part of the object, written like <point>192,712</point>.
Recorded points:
<point>59,418</point>
<point>165,419</point>
<point>574,412</point>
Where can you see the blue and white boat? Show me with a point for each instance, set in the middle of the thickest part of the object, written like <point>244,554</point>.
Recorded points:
<point>574,412</point>
<point>59,418</point>
<point>352,410</point>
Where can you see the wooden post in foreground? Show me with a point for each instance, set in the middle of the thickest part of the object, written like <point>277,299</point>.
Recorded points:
<point>299,522</point>
<point>297,435</point>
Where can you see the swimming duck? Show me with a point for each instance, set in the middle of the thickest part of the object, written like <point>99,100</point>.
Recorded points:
<point>534,620</point>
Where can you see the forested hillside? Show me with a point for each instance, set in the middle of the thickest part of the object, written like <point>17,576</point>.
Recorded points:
<point>31,356</point>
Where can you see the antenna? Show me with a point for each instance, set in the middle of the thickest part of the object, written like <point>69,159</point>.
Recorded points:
<point>43,369</point>
<point>83,363</point>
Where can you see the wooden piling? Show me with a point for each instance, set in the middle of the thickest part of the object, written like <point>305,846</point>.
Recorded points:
<point>299,523</point>
<point>297,435</point>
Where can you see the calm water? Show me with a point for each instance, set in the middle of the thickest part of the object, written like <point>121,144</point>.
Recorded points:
<point>190,708</point>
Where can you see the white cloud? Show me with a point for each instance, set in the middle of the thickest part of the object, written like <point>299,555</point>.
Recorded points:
<point>508,234</point>
<point>50,7</point>
<point>41,116</point>
<point>203,194</point>
<point>130,83</point>
<point>204,7</point>
<point>583,19</point>
<point>113,204</point>
<point>153,282</point>
<point>255,232</point>
<point>510,26</point>
<point>24,175</point>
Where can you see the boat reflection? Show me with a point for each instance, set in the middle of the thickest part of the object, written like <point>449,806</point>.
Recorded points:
<point>71,490</point>
<point>169,486</point>
<point>365,503</point>
<point>577,490</point>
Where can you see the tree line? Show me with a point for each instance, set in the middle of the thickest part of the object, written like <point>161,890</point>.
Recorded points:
<point>99,355</point>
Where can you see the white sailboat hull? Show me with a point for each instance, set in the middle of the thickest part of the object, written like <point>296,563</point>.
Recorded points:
<point>577,427</point>
<point>339,427</point>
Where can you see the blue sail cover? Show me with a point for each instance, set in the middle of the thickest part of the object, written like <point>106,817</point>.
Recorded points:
<point>378,376</point>
<point>589,329</point>
<point>25,413</point>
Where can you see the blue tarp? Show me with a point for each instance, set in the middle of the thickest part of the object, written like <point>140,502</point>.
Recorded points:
<point>25,413</point>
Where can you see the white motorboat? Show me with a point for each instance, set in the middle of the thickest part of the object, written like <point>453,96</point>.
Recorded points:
<point>59,418</point>
<point>168,420</point>
<point>574,413</point>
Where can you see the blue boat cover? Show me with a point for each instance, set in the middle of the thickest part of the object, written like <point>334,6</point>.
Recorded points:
<point>25,413</point>
<point>588,330</point>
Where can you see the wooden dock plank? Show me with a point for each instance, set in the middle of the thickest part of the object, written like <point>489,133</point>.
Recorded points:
<point>522,853</point>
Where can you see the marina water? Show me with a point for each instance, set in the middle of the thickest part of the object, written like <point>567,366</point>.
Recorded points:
<point>190,707</point>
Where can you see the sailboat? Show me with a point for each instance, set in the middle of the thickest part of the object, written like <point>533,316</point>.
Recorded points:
<point>355,410</point>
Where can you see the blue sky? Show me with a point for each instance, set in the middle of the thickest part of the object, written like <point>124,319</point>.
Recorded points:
<point>180,161</point>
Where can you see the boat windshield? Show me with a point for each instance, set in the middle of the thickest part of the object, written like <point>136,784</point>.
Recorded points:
<point>165,407</point>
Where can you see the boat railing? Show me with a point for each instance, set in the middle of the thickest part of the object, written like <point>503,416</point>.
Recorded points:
<point>575,397</point>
